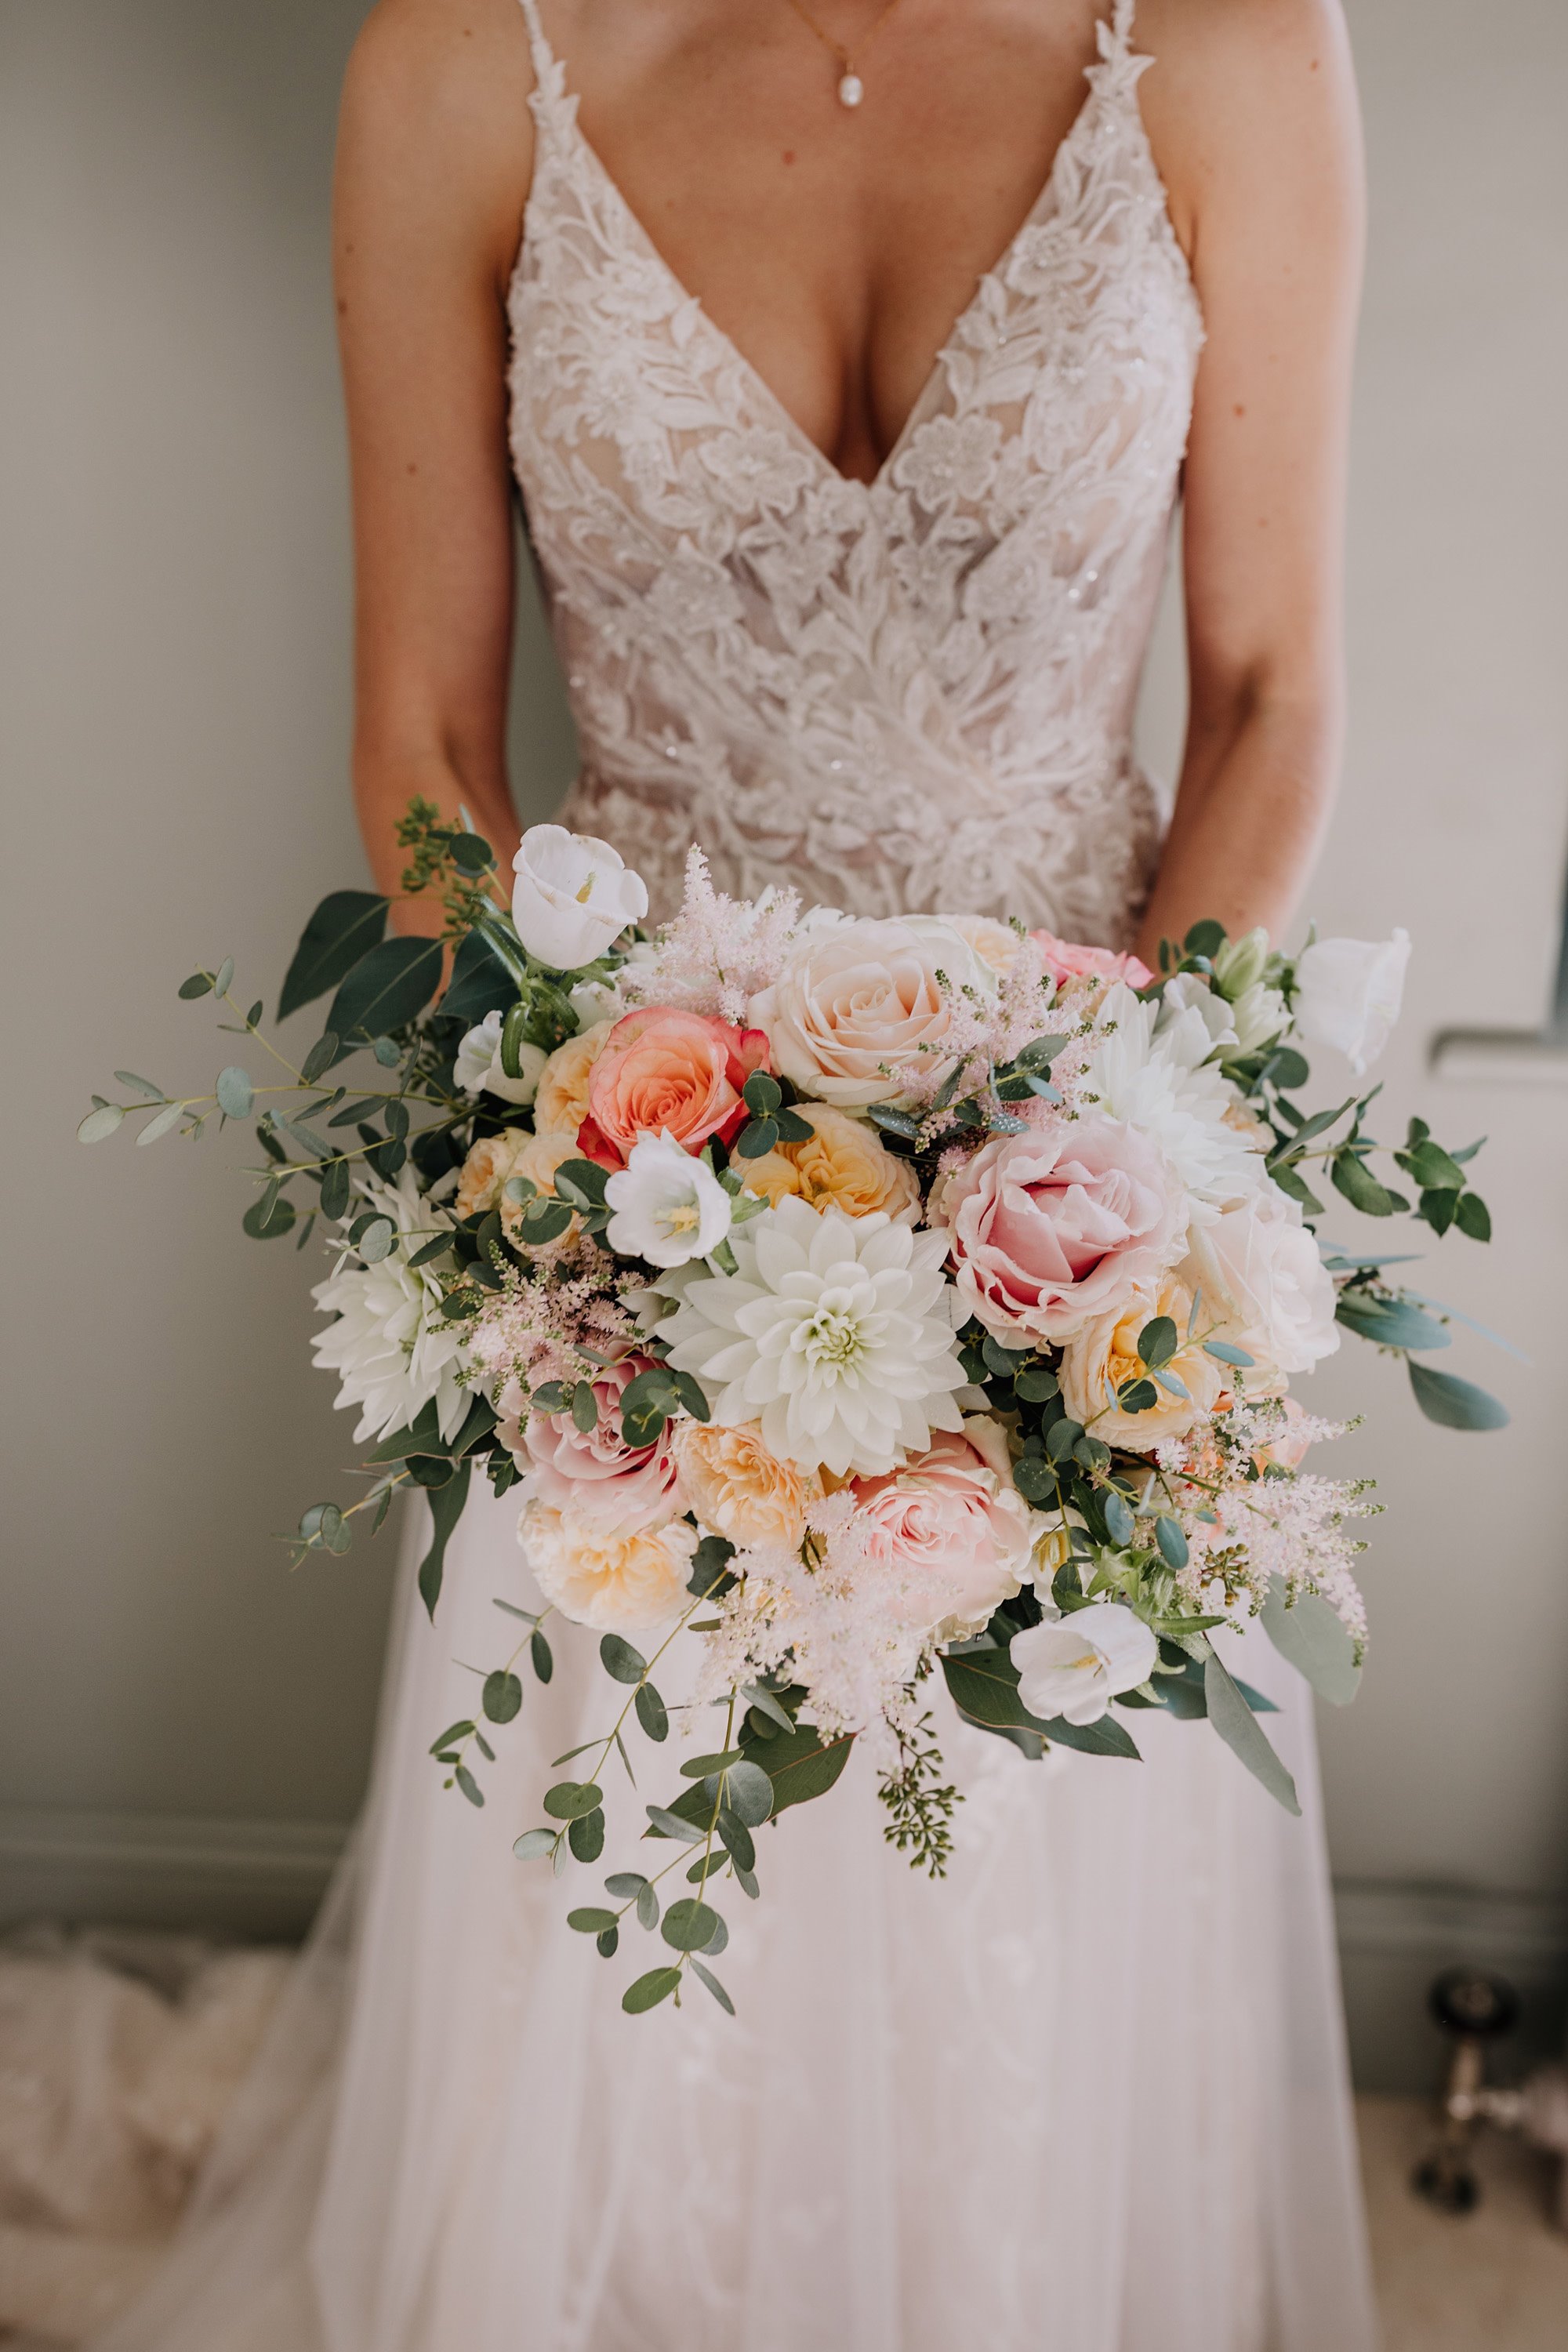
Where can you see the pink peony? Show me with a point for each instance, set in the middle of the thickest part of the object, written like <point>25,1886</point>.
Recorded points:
<point>1065,961</point>
<point>1051,1229</point>
<point>617,1489</point>
<point>661,1071</point>
<point>950,1531</point>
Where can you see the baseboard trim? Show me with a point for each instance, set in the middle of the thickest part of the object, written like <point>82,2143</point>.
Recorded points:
<point>247,1877</point>
<point>1396,1936</point>
<point>233,1876</point>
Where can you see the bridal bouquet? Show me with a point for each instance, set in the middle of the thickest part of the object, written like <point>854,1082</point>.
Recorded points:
<point>899,1314</point>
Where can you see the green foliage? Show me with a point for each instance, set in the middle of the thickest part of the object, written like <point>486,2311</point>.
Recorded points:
<point>1308,1633</point>
<point>1237,1727</point>
<point>446,1509</point>
<point>344,928</point>
<point>649,1991</point>
<point>1454,1403</point>
<point>386,989</point>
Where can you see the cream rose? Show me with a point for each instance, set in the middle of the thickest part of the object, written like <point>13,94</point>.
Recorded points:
<point>560,1105</point>
<point>845,1165</point>
<point>861,1006</point>
<point>1105,1354</point>
<point>616,1583</point>
<point>491,1161</point>
<point>1264,1287</point>
<point>996,944</point>
<point>741,1490</point>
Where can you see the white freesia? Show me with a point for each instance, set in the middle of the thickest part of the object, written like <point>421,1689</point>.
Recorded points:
<point>1074,1667</point>
<point>1236,1026</point>
<point>1164,1081</point>
<point>836,1334</point>
<point>389,1346</point>
<point>573,896</point>
<point>1262,1284</point>
<point>1349,993</point>
<point>476,1064</point>
<point>668,1207</point>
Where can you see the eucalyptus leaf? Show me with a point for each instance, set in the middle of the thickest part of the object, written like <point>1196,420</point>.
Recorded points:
<point>100,1123</point>
<point>568,1798</point>
<point>651,1713</point>
<point>446,1509</point>
<point>620,1661</point>
<point>649,1991</point>
<point>534,1841</point>
<point>386,989</point>
<point>160,1122</point>
<point>591,1920</point>
<point>1310,1634</point>
<point>1456,1403</point>
<point>502,1696</point>
<point>670,1825</point>
<point>1239,1728</point>
<point>712,1982</point>
<point>689,1926</point>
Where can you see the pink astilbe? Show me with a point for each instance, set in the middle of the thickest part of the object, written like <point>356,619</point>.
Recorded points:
<point>1243,1530</point>
<point>719,951</point>
<point>559,1324</point>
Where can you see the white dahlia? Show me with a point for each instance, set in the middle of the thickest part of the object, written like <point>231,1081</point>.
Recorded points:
<point>1167,1085</point>
<point>388,1343</point>
<point>835,1334</point>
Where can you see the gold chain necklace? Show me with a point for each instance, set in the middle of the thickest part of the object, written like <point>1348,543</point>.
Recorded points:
<point>851,88</point>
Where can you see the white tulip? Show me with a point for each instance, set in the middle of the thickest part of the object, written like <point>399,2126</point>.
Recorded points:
<point>668,1207</point>
<point>572,896</point>
<point>1074,1667</point>
<point>1347,994</point>
<point>476,1064</point>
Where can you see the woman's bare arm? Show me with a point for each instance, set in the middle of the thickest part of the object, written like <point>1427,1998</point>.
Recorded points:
<point>433,157</point>
<point>1252,112</point>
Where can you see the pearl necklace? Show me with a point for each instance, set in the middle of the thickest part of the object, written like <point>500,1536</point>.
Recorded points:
<point>851,88</point>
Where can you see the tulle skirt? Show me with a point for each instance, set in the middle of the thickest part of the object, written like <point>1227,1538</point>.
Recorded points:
<point>1088,2092</point>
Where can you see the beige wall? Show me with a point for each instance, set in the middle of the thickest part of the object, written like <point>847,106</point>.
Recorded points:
<point>174,664</point>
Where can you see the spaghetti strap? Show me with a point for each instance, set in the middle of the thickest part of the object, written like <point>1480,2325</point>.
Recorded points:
<point>543,55</point>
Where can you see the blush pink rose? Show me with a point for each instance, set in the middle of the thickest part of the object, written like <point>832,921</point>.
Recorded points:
<point>618,1489</point>
<point>660,1071</point>
<point>1051,1229</point>
<point>950,1533</point>
<point>1063,961</point>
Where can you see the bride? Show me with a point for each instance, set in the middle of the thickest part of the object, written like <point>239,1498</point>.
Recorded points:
<point>851,533</point>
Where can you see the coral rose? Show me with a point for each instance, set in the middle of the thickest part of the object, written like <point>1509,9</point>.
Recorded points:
<point>491,1161</point>
<point>1051,1229</point>
<point>845,1164</point>
<point>1064,959</point>
<point>664,1072</point>
<point>560,1105</point>
<point>741,1490</point>
<point>1105,1354</point>
<point>948,1532</point>
<point>862,1007</point>
<point>594,1475</point>
<point>616,1583</point>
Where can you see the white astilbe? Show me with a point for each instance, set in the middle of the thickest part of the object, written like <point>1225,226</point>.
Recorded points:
<point>719,951</point>
<point>1244,1530</point>
<point>817,1614</point>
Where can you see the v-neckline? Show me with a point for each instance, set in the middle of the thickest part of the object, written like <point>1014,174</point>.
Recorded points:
<point>756,381</point>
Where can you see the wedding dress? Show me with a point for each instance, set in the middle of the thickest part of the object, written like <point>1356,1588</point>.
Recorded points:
<point>1089,2092</point>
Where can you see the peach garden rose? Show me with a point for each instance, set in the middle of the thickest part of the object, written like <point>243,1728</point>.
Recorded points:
<point>844,1163</point>
<point>949,1528</point>
<point>664,1072</point>
<point>861,1008</point>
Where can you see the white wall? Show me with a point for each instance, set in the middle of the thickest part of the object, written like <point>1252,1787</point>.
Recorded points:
<point>181,1720</point>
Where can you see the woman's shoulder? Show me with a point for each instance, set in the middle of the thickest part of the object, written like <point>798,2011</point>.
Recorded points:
<point>436,103</point>
<point>1243,90</point>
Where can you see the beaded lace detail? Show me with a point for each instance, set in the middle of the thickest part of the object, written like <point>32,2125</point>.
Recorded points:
<point>901,695</point>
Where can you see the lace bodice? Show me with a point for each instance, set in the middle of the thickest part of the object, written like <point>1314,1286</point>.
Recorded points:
<point>906,694</point>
